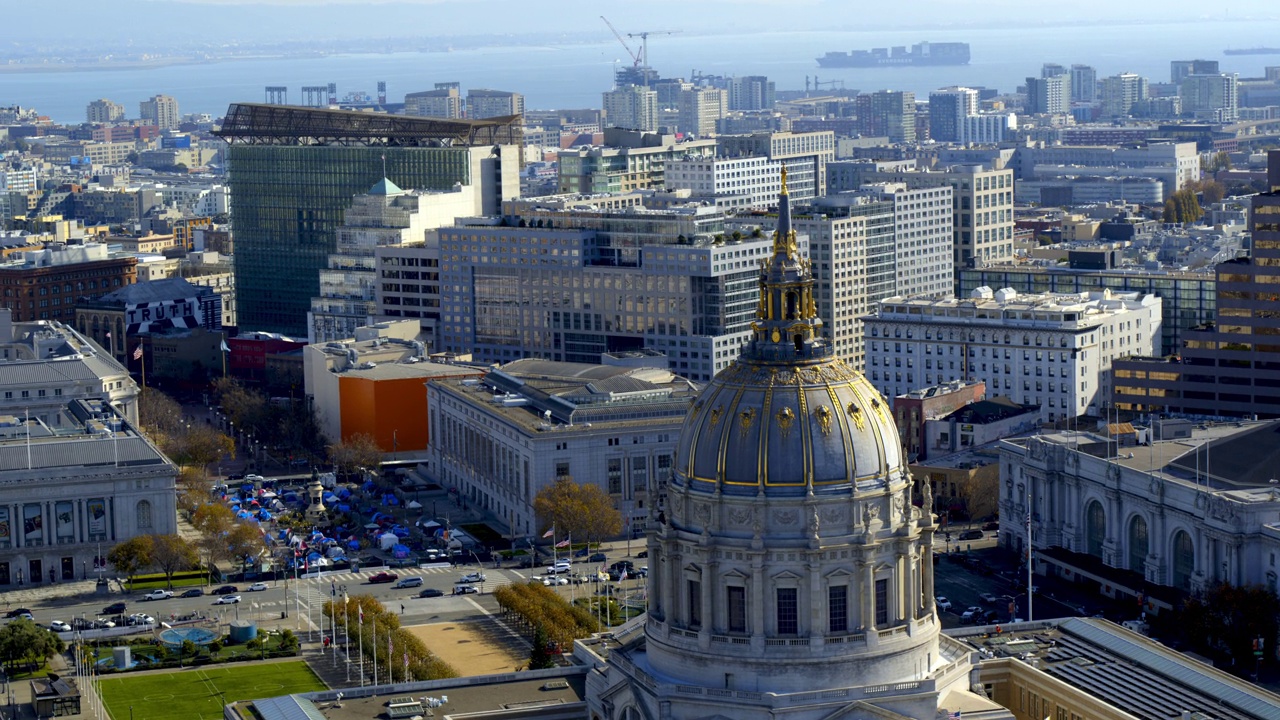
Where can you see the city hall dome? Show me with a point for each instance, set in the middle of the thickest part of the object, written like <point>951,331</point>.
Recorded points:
<point>788,417</point>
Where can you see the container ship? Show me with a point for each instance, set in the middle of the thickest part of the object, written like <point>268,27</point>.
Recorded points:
<point>1252,51</point>
<point>925,53</point>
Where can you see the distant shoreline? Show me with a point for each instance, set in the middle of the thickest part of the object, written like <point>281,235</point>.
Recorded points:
<point>19,69</point>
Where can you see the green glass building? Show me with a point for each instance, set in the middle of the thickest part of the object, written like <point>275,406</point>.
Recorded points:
<point>294,171</point>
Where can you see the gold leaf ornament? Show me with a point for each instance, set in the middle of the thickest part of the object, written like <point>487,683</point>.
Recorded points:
<point>823,415</point>
<point>786,419</point>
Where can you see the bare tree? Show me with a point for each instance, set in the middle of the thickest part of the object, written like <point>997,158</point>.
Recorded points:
<point>171,554</point>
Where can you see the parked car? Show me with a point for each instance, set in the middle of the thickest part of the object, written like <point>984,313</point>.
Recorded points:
<point>555,580</point>
<point>383,577</point>
<point>430,593</point>
<point>642,554</point>
<point>256,587</point>
<point>557,569</point>
<point>473,577</point>
<point>409,582</point>
<point>942,603</point>
<point>23,616</point>
<point>141,619</point>
<point>192,592</point>
<point>988,599</point>
<point>597,557</point>
<point>103,624</point>
<point>20,612</point>
<point>59,626</point>
<point>116,608</point>
<point>158,595</point>
<point>991,526</point>
<point>582,552</point>
<point>622,564</point>
<point>227,600</point>
<point>972,535</point>
<point>225,590</point>
<point>973,615</point>
<point>465,590</point>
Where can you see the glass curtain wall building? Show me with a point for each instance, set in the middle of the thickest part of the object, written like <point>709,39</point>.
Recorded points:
<point>294,172</point>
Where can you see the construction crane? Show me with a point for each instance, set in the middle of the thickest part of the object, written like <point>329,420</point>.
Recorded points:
<point>644,41</point>
<point>635,59</point>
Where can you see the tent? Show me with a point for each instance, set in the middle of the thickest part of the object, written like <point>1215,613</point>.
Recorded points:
<point>386,541</point>
<point>414,505</point>
<point>399,551</point>
<point>429,526</point>
<point>354,545</point>
<point>336,552</point>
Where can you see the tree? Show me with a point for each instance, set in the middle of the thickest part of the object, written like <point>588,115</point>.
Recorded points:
<point>979,490</point>
<point>577,509</point>
<point>193,489</point>
<point>131,555</point>
<point>23,641</point>
<point>214,521</point>
<point>1226,620</point>
<point>159,414</point>
<point>200,446</point>
<point>540,655</point>
<point>244,541</point>
<point>358,451</point>
<point>172,553</point>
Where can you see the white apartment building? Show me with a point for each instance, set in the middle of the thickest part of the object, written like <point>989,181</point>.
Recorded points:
<point>923,230</point>
<point>1173,163</point>
<point>988,128</point>
<point>732,183</point>
<point>1051,350</point>
<point>805,155</point>
<point>699,108</point>
<point>161,111</point>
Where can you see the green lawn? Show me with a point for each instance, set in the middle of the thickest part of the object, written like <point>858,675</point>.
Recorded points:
<point>199,693</point>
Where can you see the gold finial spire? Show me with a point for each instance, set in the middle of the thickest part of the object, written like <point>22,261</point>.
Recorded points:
<point>784,181</point>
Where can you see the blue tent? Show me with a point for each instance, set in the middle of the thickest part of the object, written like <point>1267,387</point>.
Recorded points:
<point>242,514</point>
<point>399,551</point>
<point>354,545</point>
<point>311,557</point>
<point>400,531</point>
<point>343,507</point>
<point>367,486</point>
<point>264,515</point>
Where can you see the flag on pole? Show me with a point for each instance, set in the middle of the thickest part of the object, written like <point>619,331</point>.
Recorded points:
<point>563,543</point>
<point>344,599</point>
<point>550,532</point>
<point>108,336</point>
<point>224,346</point>
<point>137,354</point>
<point>361,610</point>
<point>622,575</point>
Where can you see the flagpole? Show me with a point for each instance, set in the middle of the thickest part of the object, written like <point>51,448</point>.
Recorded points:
<point>375,649</point>
<point>391,659</point>
<point>361,622</point>
<point>142,358</point>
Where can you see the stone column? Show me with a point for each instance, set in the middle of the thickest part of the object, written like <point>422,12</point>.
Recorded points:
<point>868,594</point>
<point>757,601</point>
<point>926,570</point>
<point>707,576</point>
<point>819,616</point>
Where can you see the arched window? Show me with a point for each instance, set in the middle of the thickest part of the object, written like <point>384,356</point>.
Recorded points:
<point>144,514</point>
<point>1138,544</point>
<point>1095,528</point>
<point>1184,560</point>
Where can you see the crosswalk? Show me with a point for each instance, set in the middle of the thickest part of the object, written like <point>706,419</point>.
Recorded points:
<point>346,577</point>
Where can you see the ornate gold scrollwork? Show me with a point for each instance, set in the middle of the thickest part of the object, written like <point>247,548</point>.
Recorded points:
<point>715,414</point>
<point>785,419</point>
<point>745,420</point>
<point>859,419</point>
<point>823,414</point>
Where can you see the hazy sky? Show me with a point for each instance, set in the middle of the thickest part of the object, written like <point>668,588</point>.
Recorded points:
<point>93,21</point>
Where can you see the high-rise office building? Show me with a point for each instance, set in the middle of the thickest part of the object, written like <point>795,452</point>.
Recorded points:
<point>161,111</point>
<point>947,109</point>
<point>1049,70</point>
<point>751,92</point>
<point>628,160</point>
<point>1211,97</point>
<point>569,279</point>
<point>493,103</point>
<point>1230,367</point>
<point>442,102</point>
<point>103,110</point>
<point>289,195</point>
<point>698,109</point>
<point>1047,94</point>
<point>804,154</point>
<point>1084,84</point>
<point>1180,69</point>
<point>1120,92</point>
<point>633,107</point>
<point>889,113</point>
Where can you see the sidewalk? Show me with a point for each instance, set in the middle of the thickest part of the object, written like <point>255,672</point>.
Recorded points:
<point>66,593</point>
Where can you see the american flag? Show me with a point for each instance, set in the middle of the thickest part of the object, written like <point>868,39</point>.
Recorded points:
<point>550,532</point>
<point>954,716</point>
<point>361,610</point>
<point>562,543</point>
<point>137,354</point>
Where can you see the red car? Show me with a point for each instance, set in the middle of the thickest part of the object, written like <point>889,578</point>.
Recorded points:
<point>383,577</point>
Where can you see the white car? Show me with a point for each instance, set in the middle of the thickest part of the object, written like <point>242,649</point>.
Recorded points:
<point>103,623</point>
<point>472,577</point>
<point>59,626</point>
<point>158,595</point>
<point>256,587</point>
<point>942,603</point>
<point>555,580</point>
<point>227,600</point>
<point>141,619</point>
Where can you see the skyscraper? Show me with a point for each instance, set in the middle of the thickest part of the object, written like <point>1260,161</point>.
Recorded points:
<point>1120,92</point>
<point>1084,84</point>
<point>947,109</point>
<point>1180,69</point>
<point>442,102</point>
<point>633,107</point>
<point>1047,94</point>
<point>1210,97</point>
<point>889,113</point>
<point>294,171</point>
<point>751,92</point>
<point>161,111</point>
<point>698,109</point>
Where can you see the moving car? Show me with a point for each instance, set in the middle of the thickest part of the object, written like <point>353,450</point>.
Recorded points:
<point>116,608</point>
<point>555,580</point>
<point>988,599</point>
<point>472,577</point>
<point>225,589</point>
<point>59,626</point>
<point>642,554</point>
<point>430,593</point>
<point>227,600</point>
<point>256,587</point>
<point>465,590</point>
<point>558,569</point>
<point>158,595</point>
<point>973,615</point>
<point>971,535</point>
<point>19,612</point>
<point>383,577</point>
<point>597,557</point>
<point>942,603</point>
<point>103,624</point>
<point>991,526</point>
<point>409,582</point>
<point>193,592</point>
